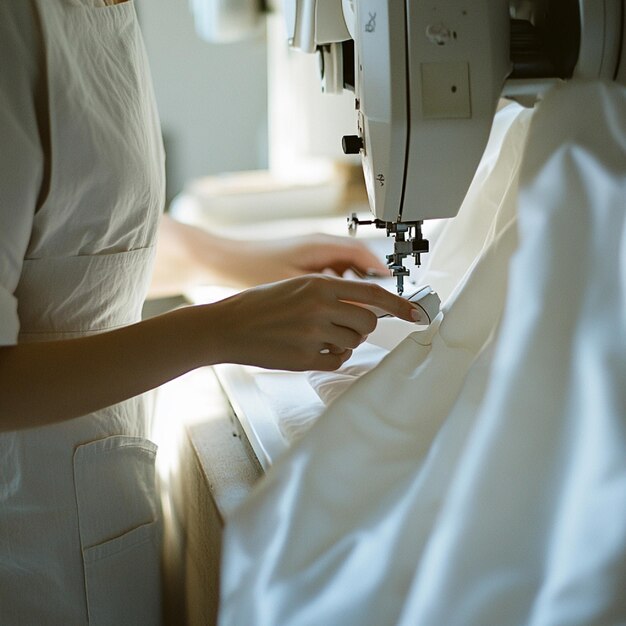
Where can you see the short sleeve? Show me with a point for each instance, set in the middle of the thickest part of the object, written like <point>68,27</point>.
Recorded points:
<point>21,153</point>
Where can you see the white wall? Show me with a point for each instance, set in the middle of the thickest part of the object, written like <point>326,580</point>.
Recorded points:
<point>212,98</point>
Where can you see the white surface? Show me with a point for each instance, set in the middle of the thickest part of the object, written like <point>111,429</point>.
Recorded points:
<point>478,476</point>
<point>254,412</point>
<point>273,407</point>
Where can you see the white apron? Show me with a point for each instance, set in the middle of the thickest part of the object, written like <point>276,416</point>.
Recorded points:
<point>80,196</point>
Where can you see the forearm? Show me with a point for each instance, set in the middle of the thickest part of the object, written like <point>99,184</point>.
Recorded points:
<point>186,256</point>
<point>46,382</point>
<point>309,322</point>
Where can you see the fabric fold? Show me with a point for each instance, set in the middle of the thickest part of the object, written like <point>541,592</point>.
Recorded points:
<point>479,478</point>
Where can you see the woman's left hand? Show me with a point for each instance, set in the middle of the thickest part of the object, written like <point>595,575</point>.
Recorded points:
<point>187,255</point>
<point>268,261</point>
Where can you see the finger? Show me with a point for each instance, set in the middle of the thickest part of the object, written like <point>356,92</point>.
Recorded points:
<point>330,362</point>
<point>359,319</point>
<point>331,348</point>
<point>368,274</point>
<point>374,295</point>
<point>340,254</point>
<point>343,337</point>
<point>360,257</point>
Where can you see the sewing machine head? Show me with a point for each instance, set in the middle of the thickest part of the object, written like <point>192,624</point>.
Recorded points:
<point>427,76</point>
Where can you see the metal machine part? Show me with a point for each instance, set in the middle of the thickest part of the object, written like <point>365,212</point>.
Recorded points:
<point>408,241</point>
<point>427,77</point>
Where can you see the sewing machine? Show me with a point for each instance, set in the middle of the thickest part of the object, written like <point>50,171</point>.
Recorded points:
<point>427,76</point>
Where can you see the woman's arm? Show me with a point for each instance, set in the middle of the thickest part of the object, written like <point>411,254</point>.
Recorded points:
<point>284,325</point>
<point>187,255</point>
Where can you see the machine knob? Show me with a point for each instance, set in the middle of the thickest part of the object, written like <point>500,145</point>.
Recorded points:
<point>351,144</point>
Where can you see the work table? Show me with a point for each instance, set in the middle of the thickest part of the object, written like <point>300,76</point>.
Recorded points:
<point>207,468</point>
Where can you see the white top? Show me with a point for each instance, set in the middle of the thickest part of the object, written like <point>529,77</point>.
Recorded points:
<point>81,190</point>
<point>81,178</point>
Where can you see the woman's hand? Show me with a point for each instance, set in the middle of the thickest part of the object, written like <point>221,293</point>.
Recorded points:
<point>306,323</point>
<point>187,255</point>
<point>309,322</point>
<point>268,261</point>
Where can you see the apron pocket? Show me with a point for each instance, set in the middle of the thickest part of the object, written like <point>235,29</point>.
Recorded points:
<point>122,577</point>
<point>117,505</point>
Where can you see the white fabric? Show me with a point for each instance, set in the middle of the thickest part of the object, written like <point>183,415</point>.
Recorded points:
<point>330,385</point>
<point>280,390</point>
<point>478,475</point>
<point>461,240</point>
<point>457,245</point>
<point>81,190</point>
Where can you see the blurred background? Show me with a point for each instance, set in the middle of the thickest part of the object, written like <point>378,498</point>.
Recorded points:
<point>212,98</point>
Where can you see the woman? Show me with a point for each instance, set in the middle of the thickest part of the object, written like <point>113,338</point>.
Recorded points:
<point>81,192</point>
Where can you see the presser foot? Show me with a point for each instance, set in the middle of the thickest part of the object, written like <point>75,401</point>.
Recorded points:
<point>408,241</point>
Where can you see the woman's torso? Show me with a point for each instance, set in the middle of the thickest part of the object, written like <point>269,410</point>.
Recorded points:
<point>78,508</point>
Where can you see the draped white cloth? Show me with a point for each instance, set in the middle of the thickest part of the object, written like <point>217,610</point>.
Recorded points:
<point>458,245</point>
<point>477,476</point>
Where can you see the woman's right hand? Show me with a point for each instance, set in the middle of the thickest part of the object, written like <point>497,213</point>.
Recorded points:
<point>305,323</point>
